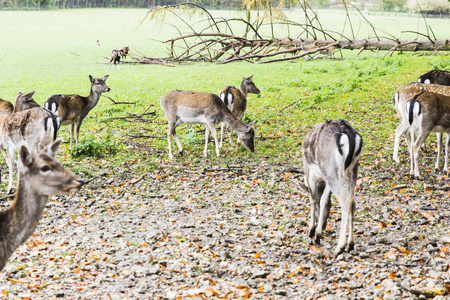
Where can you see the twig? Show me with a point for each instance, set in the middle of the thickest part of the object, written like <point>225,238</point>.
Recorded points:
<point>118,102</point>
<point>296,101</point>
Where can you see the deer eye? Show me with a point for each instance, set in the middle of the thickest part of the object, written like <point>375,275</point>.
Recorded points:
<point>45,168</point>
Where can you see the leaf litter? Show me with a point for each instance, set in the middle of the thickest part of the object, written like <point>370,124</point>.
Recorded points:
<point>185,231</point>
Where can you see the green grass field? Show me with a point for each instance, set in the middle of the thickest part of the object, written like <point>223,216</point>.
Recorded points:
<point>55,51</point>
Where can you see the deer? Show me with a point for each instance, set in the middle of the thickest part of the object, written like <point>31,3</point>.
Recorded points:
<point>25,101</point>
<point>199,107</point>
<point>72,108</point>
<point>6,107</point>
<point>331,152</point>
<point>435,77</point>
<point>427,112</point>
<point>34,127</point>
<point>236,101</point>
<point>40,175</point>
<point>401,96</point>
<point>117,54</point>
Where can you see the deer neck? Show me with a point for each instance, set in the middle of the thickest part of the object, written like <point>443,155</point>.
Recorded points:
<point>93,98</point>
<point>244,89</point>
<point>18,222</point>
<point>233,122</point>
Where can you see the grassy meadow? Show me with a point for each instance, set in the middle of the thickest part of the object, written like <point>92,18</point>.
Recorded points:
<point>55,51</point>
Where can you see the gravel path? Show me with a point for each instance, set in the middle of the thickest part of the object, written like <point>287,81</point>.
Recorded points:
<point>185,232</point>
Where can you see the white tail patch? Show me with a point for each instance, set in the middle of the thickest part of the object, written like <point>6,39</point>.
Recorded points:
<point>342,153</point>
<point>419,80</point>
<point>396,101</point>
<point>427,81</point>
<point>230,99</point>
<point>222,97</point>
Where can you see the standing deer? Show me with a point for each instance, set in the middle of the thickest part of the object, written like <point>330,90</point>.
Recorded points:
<point>236,101</point>
<point>404,94</point>
<point>331,152</point>
<point>40,175</point>
<point>25,101</point>
<point>435,77</point>
<point>427,112</point>
<point>72,109</point>
<point>117,55</point>
<point>34,128</point>
<point>198,107</point>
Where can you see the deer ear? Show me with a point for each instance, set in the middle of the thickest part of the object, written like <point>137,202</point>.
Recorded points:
<point>105,77</point>
<point>251,124</point>
<point>91,78</point>
<point>30,94</point>
<point>25,156</point>
<point>19,92</point>
<point>251,77</point>
<point>52,148</point>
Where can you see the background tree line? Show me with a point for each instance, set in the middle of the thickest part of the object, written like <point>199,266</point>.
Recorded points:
<point>429,6</point>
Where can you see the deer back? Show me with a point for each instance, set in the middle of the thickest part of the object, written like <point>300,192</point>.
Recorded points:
<point>235,100</point>
<point>435,77</point>
<point>68,107</point>
<point>6,107</point>
<point>428,109</point>
<point>407,92</point>
<point>193,107</point>
<point>332,148</point>
<point>33,127</point>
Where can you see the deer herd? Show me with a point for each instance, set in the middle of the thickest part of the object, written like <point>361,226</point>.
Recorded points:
<point>331,150</point>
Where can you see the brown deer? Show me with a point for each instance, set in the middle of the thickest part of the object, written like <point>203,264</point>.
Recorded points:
<point>25,101</point>
<point>404,94</point>
<point>40,175</point>
<point>117,54</point>
<point>198,107</point>
<point>236,101</point>
<point>331,152</point>
<point>427,112</point>
<point>6,107</point>
<point>34,128</point>
<point>72,109</point>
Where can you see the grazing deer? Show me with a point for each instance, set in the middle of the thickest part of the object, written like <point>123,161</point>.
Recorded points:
<point>331,152</point>
<point>72,109</point>
<point>25,101</point>
<point>435,77</point>
<point>427,112</point>
<point>117,55</point>
<point>198,107</point>
<point>40,175</point>
<point>404,94</point>
<point>34,128</point>
<point>236,101</point>
<point>6,107</point>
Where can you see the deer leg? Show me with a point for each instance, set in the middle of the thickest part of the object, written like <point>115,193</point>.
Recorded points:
<point>205,152</point>
<point>212,128</point>
<point>398,134</point>
<point>10,162</point>
<point>77,132</point>
<point>72,127</point>
<point>314,198</point>
<point>170,130</point>
<point>447,141</point>
<point>222,127</point>
<point>415,147</point>
<point>439,147</point>
<point>324,198</point>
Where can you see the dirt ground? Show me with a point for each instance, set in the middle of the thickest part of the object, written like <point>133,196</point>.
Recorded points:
<point>195,231</point>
